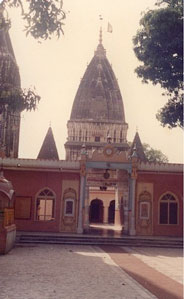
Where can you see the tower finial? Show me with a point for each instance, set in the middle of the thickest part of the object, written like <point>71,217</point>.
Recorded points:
<point>100,36</point>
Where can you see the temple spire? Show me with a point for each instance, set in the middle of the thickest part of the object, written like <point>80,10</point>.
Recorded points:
<point>137,147</point>
<point>48,150</point>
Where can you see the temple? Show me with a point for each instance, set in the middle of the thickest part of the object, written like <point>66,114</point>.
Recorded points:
<point>103,179</point>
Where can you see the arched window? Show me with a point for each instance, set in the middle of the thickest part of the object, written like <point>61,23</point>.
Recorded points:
<point>168,209</point>
<point>45,202</point>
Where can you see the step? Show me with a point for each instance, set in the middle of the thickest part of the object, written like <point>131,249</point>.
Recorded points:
<point>77,240</point>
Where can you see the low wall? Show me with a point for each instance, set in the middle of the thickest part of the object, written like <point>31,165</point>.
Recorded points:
<point>7,238</point>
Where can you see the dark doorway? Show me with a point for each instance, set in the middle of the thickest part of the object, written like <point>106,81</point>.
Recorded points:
<point>96,211</point>
<point>111,211</point>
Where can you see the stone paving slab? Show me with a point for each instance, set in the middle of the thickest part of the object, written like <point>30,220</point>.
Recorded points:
<point>159,284</point>
<point>65,272</point>
<point>168,261</point>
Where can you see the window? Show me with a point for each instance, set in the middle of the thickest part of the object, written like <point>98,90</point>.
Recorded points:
<point>69,202</point>
<point>69,207</point>
<point>121,136</point>
<point>114,135</point>
<point>168,209</point>
<point>73,135</point>
<point>45,205</point>
<point>144,210</point>
<point>80,134</point>
<point>97,139</point>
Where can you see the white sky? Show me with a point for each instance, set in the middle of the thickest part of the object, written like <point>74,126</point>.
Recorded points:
<point>55,68</point>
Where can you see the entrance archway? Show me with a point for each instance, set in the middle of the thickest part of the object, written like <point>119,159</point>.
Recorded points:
<point>96,211</point>
<point>111,212</point>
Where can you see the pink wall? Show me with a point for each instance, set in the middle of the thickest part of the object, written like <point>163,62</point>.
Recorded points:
<point>165,182</point>
<point>29,183</point>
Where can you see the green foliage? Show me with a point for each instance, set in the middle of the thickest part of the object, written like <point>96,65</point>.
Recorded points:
<point>172,113</point>
<point>154,155</point>
<point>43,18</point>
<point>158,45</point>
<point>18,99</point>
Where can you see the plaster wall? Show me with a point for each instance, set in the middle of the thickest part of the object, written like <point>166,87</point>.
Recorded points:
<point>163,183</point>
<point>27,184</point>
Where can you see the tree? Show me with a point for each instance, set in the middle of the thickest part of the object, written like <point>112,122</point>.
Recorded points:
<point>43,18</point>
<point>154,155</point>
<point>158,45</point>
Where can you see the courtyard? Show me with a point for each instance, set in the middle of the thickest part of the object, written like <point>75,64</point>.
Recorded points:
<point>87,272</point>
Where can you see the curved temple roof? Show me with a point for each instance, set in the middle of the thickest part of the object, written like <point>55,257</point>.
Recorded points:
<point>98,97</point>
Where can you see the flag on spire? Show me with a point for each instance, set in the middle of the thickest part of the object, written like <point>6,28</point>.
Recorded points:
<point>109,27</point>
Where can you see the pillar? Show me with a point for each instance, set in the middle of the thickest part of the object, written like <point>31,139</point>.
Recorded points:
<point>105,214</point>
<point>81,204</point>
<point>125,212</point>
<point>86,208</point>
<point>132,230</point>
<point>117,220</point>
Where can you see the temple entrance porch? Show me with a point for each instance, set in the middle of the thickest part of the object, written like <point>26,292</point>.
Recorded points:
<point>107,190</point>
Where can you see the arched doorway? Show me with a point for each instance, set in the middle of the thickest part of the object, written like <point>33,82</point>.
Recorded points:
<point>96,211</point>
<point>111,211</point>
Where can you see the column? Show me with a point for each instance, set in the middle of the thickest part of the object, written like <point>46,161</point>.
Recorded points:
<point>125,212</point>
<point>132,230</point>
<point>81,204</point>
<point>117,220</point>
<point>105,214</point>
<point>86,208</point>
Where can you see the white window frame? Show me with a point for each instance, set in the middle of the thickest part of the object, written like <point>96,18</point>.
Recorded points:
<point>45,197</point>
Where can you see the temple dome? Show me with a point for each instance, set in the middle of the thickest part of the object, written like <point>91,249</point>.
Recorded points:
<point>98,97</point>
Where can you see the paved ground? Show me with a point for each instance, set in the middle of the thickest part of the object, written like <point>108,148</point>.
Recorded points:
<point>168,261</point>
<point>75,272</point>
<point>67,272</point>
<point>157,282</point>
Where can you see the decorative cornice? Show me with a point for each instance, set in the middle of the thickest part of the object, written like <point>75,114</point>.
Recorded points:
<point>35,164</point>
<point>164,167</point>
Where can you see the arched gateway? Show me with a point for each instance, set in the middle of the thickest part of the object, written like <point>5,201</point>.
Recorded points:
<point>104,176</point>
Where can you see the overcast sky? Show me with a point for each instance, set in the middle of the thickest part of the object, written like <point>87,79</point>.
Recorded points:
<point>55,68</point>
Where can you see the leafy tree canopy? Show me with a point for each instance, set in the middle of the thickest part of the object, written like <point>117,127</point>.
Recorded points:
<point>43,18</point>
<point>158,45</point>
<point>154,155</point>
